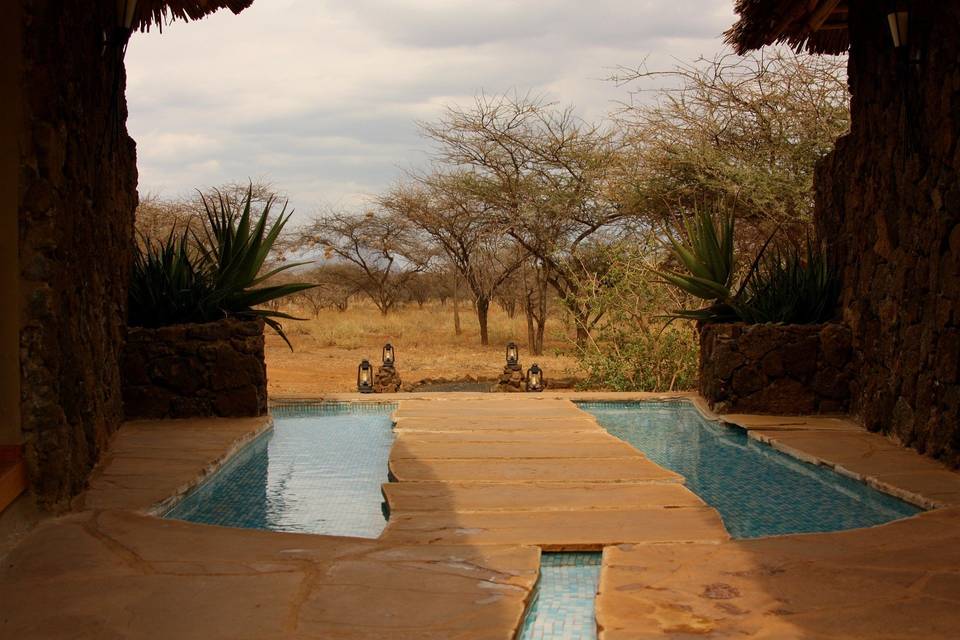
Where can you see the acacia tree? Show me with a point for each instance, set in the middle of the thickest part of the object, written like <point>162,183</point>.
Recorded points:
<point>447,209</point>
<point>384,249</point>
<point>746,130</point>
<point>157,216</point>
<point>543,175</point>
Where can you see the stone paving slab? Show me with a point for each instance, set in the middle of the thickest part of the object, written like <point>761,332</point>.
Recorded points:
<point>534,470</point>
<point>406,447</point>
<point>518,407</point>
<point>566,424</point>
<point>874,459</point>
<point>592,435</point>
<point>152,461</point>
<point>103,575</point>
<point>575,530</point>
<point>533,496</point>
<point>896,581</point>
<point>793,423</point>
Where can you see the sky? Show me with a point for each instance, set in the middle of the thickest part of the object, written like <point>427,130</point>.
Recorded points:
<point>322,97</point>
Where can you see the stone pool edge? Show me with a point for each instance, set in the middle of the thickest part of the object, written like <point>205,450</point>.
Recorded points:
<point>158,509</point>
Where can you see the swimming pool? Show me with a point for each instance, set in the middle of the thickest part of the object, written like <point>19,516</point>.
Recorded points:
<point>758,490</point>
<point>319,470</point>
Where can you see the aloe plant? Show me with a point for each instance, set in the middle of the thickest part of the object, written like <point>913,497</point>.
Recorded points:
<point>707,253</point>
<point>786,285</point>
<point>204,277</point>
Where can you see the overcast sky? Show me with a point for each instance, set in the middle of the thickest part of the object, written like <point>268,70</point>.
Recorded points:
<point>321,97</point>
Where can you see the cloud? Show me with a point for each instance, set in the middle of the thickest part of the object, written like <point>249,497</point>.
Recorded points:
<point>322,96</point>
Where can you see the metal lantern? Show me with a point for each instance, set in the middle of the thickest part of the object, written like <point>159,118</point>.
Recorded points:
<point>535,381</point>
<point>513,356</point>
<point>899,22</point>
<point>389,357</point>
<point>365,377</point>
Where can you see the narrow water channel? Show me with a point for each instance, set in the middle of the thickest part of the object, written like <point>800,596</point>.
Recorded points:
<point>562,608</point>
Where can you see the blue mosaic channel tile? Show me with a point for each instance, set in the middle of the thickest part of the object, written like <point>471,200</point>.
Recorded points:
<point>758,490</point>
<point>563,606</point>
<point>319,470</point>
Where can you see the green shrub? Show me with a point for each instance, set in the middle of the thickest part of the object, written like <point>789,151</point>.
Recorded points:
<point>625,359</point>
<point>217,274</point>
<point>632,347</point>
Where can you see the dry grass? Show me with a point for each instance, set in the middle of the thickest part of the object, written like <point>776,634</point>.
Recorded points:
<point>328,349</point>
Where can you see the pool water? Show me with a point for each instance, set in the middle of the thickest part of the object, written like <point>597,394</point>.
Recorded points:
<point>758,490</point>
<point>319,470</point>
<point>562,608</point>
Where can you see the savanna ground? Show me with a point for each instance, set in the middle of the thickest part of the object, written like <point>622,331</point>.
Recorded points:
<point>328,348</point>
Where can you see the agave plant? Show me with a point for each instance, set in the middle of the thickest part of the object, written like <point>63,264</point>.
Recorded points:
<point>794,285</point>
<point>707,253</point>
<point>235,248</point>
<point>167,286</point>
<point>204,277</point>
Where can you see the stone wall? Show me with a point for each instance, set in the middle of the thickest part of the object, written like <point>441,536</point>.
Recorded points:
<point>188,370</point>
<point>77,195</point>
<point>888,198</point>
<point>783,369</point>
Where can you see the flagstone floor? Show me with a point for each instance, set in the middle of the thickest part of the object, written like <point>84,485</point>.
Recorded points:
<point>482,484</point>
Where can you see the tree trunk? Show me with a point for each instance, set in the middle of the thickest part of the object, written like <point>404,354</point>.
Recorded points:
<point>542,316</point>
<point>538,343</point>
<point>456,306</point>
<point>483,307</point>
<point>582,335</point>
<point>531,332</point>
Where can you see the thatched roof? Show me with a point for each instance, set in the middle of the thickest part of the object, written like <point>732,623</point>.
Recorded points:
<point>817,26</point>
<point>158,12</point>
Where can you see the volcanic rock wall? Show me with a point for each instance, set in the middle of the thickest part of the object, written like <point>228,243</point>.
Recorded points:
<point>188,370</point>
<point>77,196</point>
<point>782,369</point>
<point>888,199</point>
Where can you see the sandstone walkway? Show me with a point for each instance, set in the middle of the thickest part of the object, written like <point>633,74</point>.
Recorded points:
<point>482,484</point>
<point>530,471</point>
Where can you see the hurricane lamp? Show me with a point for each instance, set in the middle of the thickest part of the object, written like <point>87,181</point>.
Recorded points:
<point>513,356</point>
<point>535,380</point>
<point>389,356</point>
<point>365,377</point>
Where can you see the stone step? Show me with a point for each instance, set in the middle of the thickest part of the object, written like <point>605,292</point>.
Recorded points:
<point>524,407</point>
<point>507,436</point>
<point>407,497</point>
<point>522,469</point>
<point>558,530</point>
<point>582,423</point>
<point>406,447</point>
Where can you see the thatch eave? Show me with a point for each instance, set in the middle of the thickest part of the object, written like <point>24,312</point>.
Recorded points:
<point>815,26</point>
<point>159,12</point>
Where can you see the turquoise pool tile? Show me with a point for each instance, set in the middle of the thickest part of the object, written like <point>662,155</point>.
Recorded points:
<point>319,470</point>
<point>758,490</point>
<point>562,608</point>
